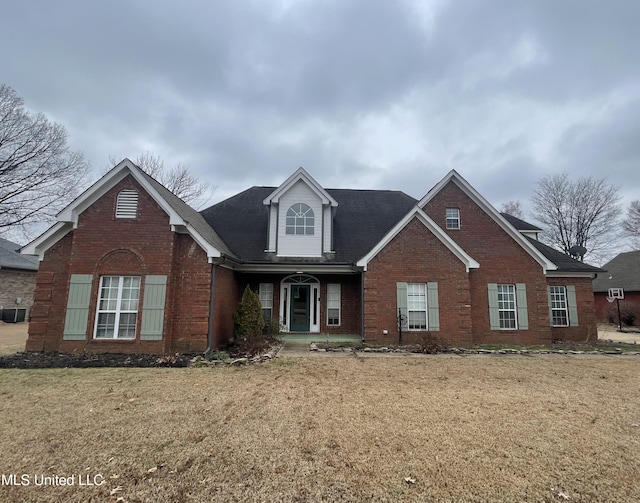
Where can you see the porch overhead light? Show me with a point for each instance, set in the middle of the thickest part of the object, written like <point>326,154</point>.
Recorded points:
<point>299,272</point>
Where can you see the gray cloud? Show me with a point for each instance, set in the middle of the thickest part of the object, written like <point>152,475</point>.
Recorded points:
<point>363,94</point>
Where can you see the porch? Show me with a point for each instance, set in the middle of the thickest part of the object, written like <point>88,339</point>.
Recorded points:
<point>308,337</point>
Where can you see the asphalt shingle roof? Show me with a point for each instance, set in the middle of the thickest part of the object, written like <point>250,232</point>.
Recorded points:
<point>189,215</point>
<point>10,257</point>
<point>362,218</point>
<point>564,262</point>
<point>520,224</point>
<point>624,271</point>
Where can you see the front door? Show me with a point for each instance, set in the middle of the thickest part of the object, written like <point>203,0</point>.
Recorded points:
<point>300,308</point>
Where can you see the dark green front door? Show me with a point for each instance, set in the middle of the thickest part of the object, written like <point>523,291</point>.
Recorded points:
<point>300,308</point>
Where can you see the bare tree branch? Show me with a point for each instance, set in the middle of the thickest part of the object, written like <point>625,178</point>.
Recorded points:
<point>513,208</point>
<point>631,224</point>
<point>577,213</point>
<point>39,174</point>
<point>178,180</point>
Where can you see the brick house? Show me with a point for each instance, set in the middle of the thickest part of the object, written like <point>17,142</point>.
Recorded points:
<point>129,267</point>
<point>623,271</point>
<point>17,282</point>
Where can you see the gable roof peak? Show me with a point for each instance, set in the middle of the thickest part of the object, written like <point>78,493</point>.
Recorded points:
<point>182,217</point>
<point>476,197</point>
<point>300,175</point>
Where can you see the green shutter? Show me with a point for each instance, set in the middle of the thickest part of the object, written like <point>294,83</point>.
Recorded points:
<point>433,307</point>
<point>550,307</point>
<point>494,312</point>
<point>521,303</point>
<point>155,289</point>
<point>401,289</point>
<point>75,323</point>
<point>572,304</point>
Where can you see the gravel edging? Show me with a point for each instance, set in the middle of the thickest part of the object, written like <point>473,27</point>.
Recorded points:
<point>466,351</point>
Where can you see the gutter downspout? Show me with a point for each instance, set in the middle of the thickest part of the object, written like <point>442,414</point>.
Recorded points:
<point>362,305</point>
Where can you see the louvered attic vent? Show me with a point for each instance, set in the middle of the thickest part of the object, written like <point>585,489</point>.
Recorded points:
<point>127,204</point>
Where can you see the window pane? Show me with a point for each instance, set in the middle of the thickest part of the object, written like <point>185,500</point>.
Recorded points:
<point>117,307</point>
<point>452,216</point>
<point>560,318</point>
<point>507,306</point>
<point>558,299</point>
<point>106,325</point>
<point>127,326</point>
<point>507,319</point>
<point>417,320</point>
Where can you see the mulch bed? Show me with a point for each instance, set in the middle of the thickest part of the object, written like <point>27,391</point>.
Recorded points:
<point>90,360</point>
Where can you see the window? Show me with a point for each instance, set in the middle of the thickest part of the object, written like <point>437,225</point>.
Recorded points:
<point>333,305</point>
<point>127,204</point>
<point>507,306</point>
<point>265,292</point>
<point>417,306</point>
<point>117,314</point>
<point>453,218</point>
<point>558,304</point>
<point>300,220</point>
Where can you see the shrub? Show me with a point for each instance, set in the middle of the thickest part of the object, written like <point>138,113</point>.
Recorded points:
<point>272,329</point>
<point>248,321</point>
<point>629,313</point>
<point>431,344</point>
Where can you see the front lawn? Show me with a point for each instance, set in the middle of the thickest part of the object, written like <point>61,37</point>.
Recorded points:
<point>437,428</point>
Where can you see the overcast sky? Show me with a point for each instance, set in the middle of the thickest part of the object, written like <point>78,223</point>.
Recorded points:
<point>362,94</point>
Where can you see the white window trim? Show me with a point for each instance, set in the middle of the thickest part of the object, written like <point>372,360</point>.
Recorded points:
<point>265,292</point>
<point>425,310</point>
<point>118,311</point>
<point>515,306</point>
<point>455,218</point>
<point>562,289</point>
<point>330,301</point>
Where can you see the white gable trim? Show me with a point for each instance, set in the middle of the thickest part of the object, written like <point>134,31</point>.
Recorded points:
<point>455,177</point>
<point>68,217</point>
<point>300,174</point>
<point>47,239</point>
<point>435,229</point>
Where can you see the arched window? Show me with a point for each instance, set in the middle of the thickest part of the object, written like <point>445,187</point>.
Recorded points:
<point>300,220</point>
<point>127,204</point>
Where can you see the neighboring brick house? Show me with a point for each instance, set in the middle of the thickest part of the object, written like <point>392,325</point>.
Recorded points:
<point>621,272</point>
<point>129,267</point>
<point>17,282</point>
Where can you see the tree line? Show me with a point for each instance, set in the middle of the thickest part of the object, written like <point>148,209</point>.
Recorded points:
<point>40,175</point>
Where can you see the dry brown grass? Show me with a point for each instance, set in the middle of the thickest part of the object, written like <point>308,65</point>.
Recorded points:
<point>544,428</point>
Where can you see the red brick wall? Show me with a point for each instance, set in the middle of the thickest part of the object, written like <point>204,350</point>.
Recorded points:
<point>415,255</point>
<point>188,317</point>
<point>501,260</point>
<point>102,244</point>
<point>226,298</point>
<point>50,297</point>
<point>587,328</point>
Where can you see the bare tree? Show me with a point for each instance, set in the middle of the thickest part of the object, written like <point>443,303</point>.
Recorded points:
<point>631,224</point>
<point>580,213</point>
<point>513,208</point>
<point>178,179</point>
<point>39,174</point>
